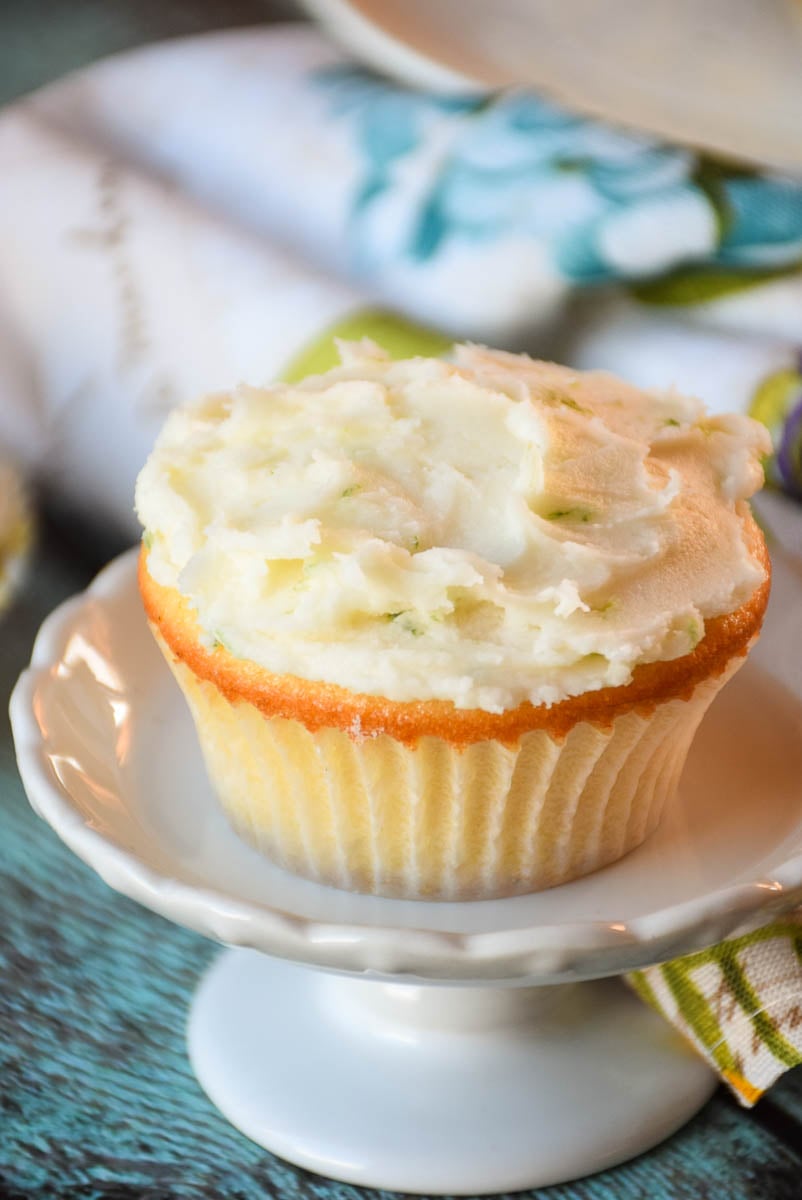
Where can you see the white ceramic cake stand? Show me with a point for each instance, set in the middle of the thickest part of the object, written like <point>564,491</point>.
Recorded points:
<point>379,1070</point>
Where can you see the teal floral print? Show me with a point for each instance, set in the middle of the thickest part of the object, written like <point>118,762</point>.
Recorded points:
<point>391,122</point>
<point>604,203</point>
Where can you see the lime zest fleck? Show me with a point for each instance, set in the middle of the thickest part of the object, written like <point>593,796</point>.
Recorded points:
<point>351,491</point>
<point>408,625</point>
<point>569,402</point>
<point>571,514</point>
<point>694,632</point>
<point>147,539</point>
<point>672,421</point>
<point>554,399</point>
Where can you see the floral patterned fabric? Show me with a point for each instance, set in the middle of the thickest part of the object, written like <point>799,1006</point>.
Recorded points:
<point>607,204</point>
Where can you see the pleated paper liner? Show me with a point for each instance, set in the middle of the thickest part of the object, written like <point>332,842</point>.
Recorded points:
<point>436,820</point>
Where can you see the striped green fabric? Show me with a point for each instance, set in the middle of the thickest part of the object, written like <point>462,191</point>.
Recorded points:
<point>739,1003</point>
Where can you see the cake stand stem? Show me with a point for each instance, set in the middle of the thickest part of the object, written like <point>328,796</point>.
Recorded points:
<point>438,1089</point>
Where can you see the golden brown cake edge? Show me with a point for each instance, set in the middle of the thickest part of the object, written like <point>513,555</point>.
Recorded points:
<point>320,705</point>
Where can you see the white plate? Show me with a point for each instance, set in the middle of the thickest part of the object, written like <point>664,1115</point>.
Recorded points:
<point>108,756</point>
<point>722,75</point>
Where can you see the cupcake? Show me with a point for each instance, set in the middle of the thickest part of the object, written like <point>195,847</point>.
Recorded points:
<point>447,628</point>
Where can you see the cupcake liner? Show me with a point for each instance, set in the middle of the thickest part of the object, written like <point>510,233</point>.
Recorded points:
<point>440,821</point>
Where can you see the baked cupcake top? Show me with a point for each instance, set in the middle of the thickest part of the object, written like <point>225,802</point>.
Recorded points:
<point>488,531</point>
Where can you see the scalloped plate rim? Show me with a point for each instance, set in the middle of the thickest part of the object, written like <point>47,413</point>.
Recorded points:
<point>385,950</point>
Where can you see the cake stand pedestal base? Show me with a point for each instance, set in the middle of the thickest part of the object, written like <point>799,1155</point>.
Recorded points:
<point>438,1089</point>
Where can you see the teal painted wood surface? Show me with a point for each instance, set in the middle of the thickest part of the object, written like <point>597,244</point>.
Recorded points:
<point>96,1094</point>
<point>43,39</point>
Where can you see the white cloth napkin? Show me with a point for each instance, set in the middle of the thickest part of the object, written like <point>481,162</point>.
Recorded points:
<point>120,297</point>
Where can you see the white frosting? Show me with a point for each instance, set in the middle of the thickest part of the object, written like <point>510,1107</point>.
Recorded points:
<point>486,531</point>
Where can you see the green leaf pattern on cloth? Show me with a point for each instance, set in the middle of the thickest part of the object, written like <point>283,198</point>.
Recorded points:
<point>777,402</point>
<point>739,1003</point>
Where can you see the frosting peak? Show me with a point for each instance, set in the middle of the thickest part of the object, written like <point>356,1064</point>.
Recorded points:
<point>487,530</point>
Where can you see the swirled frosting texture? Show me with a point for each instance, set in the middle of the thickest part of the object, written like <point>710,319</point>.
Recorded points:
<point>487,531</point>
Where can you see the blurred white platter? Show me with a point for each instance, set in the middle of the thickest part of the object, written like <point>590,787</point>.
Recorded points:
<point>723,75</point>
